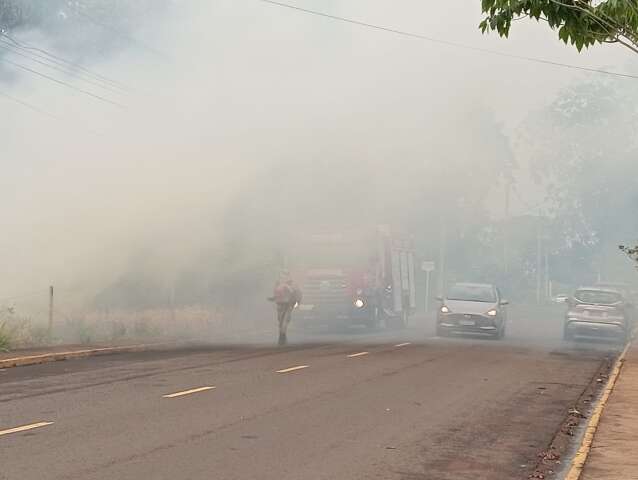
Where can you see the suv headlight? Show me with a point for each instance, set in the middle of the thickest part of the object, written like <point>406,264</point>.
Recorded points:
<point>444,309</point>
<point>492,313</point>
<point>358,303</point>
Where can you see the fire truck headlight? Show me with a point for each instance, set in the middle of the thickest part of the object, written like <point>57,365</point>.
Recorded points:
<point>358,303</point>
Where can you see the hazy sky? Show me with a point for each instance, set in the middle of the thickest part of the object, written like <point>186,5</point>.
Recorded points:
<point>243,84</point>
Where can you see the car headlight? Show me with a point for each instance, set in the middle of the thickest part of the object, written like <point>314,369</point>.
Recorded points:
<point>358,303</point>
<point>444,309</point>
<point>492,313</point>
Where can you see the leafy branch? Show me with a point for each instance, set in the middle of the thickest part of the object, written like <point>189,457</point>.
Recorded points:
<point>582,23</point>
<point>631,252</point>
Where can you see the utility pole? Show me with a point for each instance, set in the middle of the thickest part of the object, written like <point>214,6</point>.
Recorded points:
<point>50,330</point>
<point>508,186</point>
<point>427,292</point>
<point>538,262</point>
<point>547,280</point>
<point>442,256</point>
<point>172,301</point>
<point>428,267</point>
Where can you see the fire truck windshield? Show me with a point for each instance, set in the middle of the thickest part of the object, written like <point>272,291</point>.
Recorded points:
<point>330,255</point>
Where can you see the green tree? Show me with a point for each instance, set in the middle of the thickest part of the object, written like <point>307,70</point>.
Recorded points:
<point>583,148</point>
<point>582,23</point>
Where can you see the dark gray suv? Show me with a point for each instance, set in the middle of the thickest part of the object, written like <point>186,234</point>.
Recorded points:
<point>472,308</point>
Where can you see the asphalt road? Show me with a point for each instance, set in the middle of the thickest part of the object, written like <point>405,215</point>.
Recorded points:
<point>407,407</point>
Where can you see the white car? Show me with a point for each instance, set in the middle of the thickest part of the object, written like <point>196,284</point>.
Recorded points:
<point>472,308</point>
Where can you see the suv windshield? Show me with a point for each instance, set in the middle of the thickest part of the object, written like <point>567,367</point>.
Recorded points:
<point>597,297</point>
<point>472,293</point>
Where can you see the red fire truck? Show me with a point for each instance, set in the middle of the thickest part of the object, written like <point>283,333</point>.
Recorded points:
<point>356,277</point>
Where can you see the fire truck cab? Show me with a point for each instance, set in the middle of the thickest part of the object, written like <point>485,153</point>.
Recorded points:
<point>360,277</point>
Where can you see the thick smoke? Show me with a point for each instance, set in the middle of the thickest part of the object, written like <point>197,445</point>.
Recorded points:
<point>241,122</point>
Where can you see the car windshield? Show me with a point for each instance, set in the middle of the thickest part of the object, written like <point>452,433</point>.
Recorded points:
<point>472,293</point>
<point>597,297</point>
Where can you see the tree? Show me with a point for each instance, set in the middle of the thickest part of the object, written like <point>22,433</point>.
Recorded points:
<point>583,148</point>
<point>582,23</point>
<point>631,252</point>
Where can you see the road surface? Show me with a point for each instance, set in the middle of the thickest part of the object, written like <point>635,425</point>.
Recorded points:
<point>399,405</point>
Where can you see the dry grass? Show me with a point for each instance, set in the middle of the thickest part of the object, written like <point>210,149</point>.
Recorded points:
<point>117,327</point>
<point>152,324</point>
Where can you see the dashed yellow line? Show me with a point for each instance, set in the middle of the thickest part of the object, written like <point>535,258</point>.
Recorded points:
<point>24,428</point>
<point>578,464</point>
<point>293,369</point>
<point>188,392</point>
<point>360,354</point>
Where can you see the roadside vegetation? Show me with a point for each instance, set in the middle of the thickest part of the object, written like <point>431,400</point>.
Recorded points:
<point>15,330</point>
<point>586,109</point>
<point>117,327</point>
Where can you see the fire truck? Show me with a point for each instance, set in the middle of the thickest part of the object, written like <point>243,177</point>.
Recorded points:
<point>356,277</point>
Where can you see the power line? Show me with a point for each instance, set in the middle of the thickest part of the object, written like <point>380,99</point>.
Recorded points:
<point>29,105</point>
<point>445,42</point>
<point>61,82</point>
<point>58,69</point>
<point>36,109</point>
<point>46,55</point>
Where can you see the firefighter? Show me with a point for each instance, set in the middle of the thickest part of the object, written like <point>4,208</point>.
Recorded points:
<point>286,296</point>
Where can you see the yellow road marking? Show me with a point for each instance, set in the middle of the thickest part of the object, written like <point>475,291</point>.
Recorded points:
<point>24,428</point>
<point>403,344</point>
<point>187,392</point>
<point>360,354</point>
<point>293,369</point>
<point>578,464</point>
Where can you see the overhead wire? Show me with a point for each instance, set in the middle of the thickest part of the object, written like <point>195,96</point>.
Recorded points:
<point>444,42</point>
<point>61,82</point>
<point>60,69</point>
<point>57,59</point>
<point>41,111</point>
<point>28,105</point>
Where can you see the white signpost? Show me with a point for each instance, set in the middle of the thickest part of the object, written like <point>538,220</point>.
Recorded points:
<point>428,267</point>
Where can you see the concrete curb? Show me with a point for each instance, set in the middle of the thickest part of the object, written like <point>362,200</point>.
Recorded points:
<point>578,463</point>
<point>59,356</point>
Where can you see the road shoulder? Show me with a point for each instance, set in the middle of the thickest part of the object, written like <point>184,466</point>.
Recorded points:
<point>612,454</point>
<point>39,356</point>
